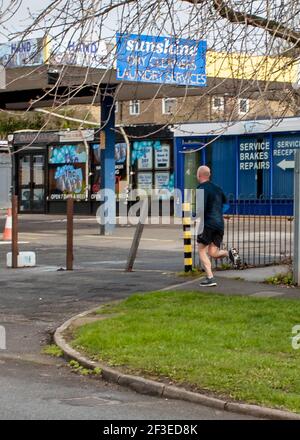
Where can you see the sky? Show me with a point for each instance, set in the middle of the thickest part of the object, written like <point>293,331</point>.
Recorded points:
<point>21,19</point>
<point>18,20</point>
<point>226,34</point>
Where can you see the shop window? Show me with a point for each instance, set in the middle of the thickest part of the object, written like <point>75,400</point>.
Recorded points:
<point>67,171</point>
<point>243,106</point>
<point>120,168</point>
<point>152,164</point>
<point>134,108</point>
<point>218,103</point>
<point>169,106</point>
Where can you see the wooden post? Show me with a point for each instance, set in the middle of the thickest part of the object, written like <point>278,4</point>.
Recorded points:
<point>14,241</point>
<point>70,228</point>
<point>137,236</point>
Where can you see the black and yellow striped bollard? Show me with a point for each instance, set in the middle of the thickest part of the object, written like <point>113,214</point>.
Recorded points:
<point>187,236</point>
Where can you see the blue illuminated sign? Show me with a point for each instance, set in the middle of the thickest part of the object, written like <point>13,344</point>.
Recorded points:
<point>162,60</point>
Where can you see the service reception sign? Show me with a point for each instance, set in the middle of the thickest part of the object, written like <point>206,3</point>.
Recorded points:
<point>163,60</point>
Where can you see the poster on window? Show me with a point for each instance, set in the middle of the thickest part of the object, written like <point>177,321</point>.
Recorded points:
<point>120,167</point>
<point>120,159</point>
<point>120,153</point>
<point>162,180</point>
<point>25,199</point>
<point>164,184</point>
<point>144,181</point>
<point>162,157</point>
<point>146,158</point>
<point>66,154</point>
<point>67,180</point>
<point>96,153</point>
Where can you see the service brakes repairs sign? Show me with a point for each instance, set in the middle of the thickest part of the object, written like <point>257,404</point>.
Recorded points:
<point>162,60</point>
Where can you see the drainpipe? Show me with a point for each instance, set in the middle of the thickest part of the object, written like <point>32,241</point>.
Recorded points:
<point>128,173</point>
<point>87,163</point>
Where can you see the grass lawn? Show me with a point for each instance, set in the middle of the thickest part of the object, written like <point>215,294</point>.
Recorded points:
<point>234,346</point>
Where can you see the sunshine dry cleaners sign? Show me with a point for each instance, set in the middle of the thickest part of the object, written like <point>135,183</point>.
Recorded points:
<point>162,60</point>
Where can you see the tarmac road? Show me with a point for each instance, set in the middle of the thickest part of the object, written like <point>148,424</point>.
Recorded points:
<point>32,391</point>
<point>33,302</point>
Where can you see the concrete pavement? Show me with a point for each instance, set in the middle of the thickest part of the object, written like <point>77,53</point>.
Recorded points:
<point>257,274</point>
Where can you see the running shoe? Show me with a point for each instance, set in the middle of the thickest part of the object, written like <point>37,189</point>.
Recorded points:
<point>234,257</point>
<point>208,282</point>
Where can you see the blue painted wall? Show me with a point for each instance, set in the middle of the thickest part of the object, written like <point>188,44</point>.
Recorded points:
<point>257,169</point>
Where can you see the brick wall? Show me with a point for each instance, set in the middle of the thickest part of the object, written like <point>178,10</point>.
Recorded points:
<point>200,109</point>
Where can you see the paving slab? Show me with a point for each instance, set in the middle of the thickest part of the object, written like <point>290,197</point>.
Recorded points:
<point>257,274</point>
<point>238,286</point>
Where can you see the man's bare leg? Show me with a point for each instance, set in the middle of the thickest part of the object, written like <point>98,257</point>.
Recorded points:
<point>215,252</point>
<point>205,261</point>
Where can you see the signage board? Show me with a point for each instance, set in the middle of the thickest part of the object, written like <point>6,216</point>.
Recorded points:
<point>163,60</point>
<point>162,157</point>
<point>76,135</point>
<point>146,158</point>
<point>145,181</point>
<point>35,137</point>
<point>162,180</point>
<point>22,53</point>
<point>254,154</point>
<point>95,54</point>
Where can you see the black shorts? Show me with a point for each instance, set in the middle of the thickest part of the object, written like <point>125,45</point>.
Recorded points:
<point>209,236</point>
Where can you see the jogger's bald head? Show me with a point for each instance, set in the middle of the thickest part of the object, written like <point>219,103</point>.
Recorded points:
<point>203,173</point>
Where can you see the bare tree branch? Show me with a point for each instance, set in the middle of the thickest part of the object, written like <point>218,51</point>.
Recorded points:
<point>273,27</point>
<point>236,31</point>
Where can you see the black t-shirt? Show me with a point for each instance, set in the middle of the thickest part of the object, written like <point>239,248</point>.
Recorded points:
<point>214,198</point>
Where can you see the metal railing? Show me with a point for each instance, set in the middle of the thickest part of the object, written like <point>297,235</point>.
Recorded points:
<point>261,239</point>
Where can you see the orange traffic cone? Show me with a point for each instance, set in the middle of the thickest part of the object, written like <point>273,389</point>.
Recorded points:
<point>7,233</point>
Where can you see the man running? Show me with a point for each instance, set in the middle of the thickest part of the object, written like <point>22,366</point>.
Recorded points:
<point>211,237</point>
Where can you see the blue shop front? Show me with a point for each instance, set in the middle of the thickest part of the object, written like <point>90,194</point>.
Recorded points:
<point>253,161</point>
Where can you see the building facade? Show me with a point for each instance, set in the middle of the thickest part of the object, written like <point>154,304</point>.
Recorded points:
<point>252,161</point>
<point>5,175</point>
<point>48,167</point>
<point>205,108</point>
